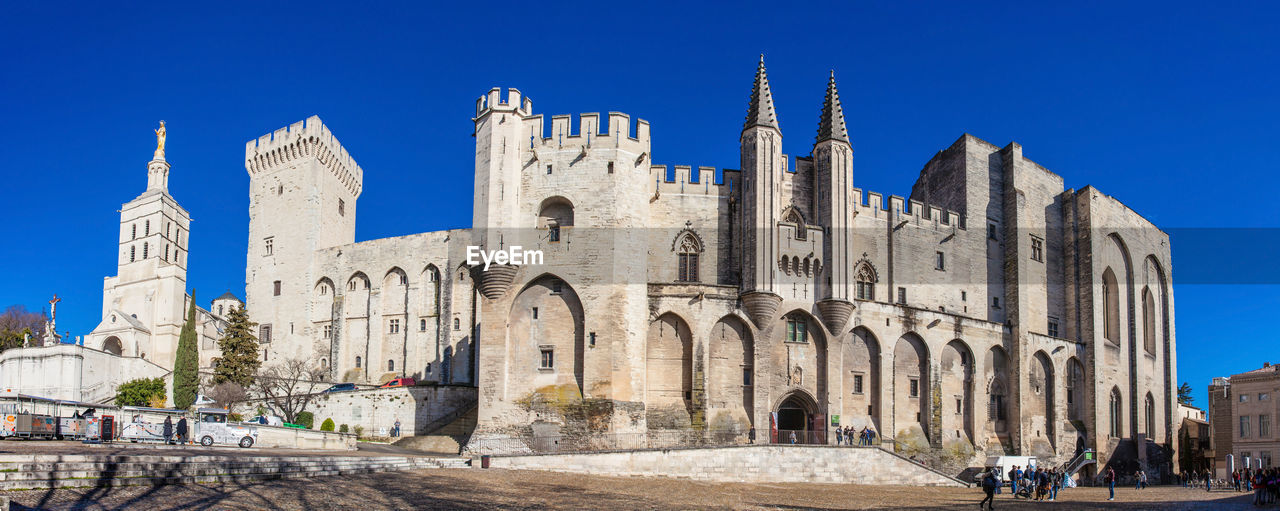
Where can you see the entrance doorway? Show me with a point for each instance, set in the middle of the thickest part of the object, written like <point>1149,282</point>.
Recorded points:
<point>798,415</point>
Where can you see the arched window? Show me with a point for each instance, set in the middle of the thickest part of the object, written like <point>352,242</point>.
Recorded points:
<point>866,279</point>
<point>357,362</point>
<point>132,252</point>
<point>146,229</point>
<point>805,271</point>
<point>1116,412</point>
<point>324,363</point>
<point>457,325</point>
<point>1111,307</point>
<point>793,216</point>
<point>1149,409</point>
<point>995,407</point>
<point>1148,321</point>
<point>134,234</point>
<point>144,250</point>
<point>785,264</point>
<point>687,249</point>
<point>391,365</point>
<point>351,285</point>
<point>555,214</point>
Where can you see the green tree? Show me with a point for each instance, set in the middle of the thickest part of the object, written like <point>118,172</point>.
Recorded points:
<point>327,425</point>
<point>306,420</point>
<point>140,392</point>
<point>186,376</point>
<point>1184,394</point>
<point>239,360</point>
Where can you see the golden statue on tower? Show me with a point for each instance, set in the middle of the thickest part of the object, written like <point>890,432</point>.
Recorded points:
<point>160,142</point>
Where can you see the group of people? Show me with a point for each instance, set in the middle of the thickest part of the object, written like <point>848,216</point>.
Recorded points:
<point>845,436</point>
<point>1036,483</point>
<point>1264,483</point>
<point>181,436</point>
<point>1195,478</point>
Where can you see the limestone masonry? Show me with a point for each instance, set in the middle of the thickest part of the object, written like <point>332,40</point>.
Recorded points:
<point>993,311</point>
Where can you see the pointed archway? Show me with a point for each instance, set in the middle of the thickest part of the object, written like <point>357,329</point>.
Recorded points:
<point>796,416</point>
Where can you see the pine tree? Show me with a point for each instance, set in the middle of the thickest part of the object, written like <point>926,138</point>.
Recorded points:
<point>186,376</point>
<point>239,361</point>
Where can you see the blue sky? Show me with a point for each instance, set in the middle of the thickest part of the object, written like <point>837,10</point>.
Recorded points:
<point>1171,108</point>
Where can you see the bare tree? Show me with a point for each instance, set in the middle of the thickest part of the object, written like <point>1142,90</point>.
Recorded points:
<point>289,386</point>
<point>16,324</point>
<point>228,393</point>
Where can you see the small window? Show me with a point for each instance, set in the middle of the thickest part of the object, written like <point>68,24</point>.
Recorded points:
<point>132,253</point>
<point>746,376</point>
<point>393,326</point>
<point>422,325</point>
<point>557,287</point>
<point>553,233</point>
<point>146,228</point>
<point>959,409</point>
<point>328,331</point>
<point>1037,249</point>
<point>1264,426</point>
<point>144,250</point>
<point>404,280</point>
<point>535,313</point>
<point>166,229</point>
<point>902,295</point>
<point>548,170</point>
<point>1244,426</point>
<point>351,285</point>
<point>1053,327</point>
<point>915,387</point>
<point>275,288</point>
<point>857,384</point>
<point>280,190</point>
<point>457,325</point>
<point>610,167</point>
<point>995,302</point>
<point>268,245</point>
<point>1264,396</point>
<point>342,208</point>
<point>264,333</point>
<point>991,231</point>
<point>357,362</point>
<point>134,236</point>
<point>548,359</point>
<point>324,290</point>
<point>592,341</point>
<point>391,365</point>
<point>964,297</point>
<point>940,261</point>
<point>796,330</point>
<point>1244,398</point>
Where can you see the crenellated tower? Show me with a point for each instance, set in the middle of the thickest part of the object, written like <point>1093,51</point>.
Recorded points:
<point>833,164</point>
<point>303,188</point>
<point>762,166</point>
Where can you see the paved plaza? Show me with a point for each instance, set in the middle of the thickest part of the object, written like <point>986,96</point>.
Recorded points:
<point>524,489</point>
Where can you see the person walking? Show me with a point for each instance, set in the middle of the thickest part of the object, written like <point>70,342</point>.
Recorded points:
<point>395,431</point>
<point>1111,483</point>
<point>1208,482</point>
<point>168,430</point>
<point>989,484</point>
<point>1142,479</point>
<point>839,436</point>
<point>1014,475</point>
<point>182,430</point>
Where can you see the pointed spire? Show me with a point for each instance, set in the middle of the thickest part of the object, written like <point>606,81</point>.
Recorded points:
<point>831,124</point>
<point>760,112</point>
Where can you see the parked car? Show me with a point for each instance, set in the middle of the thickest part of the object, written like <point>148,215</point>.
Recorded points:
<point>268,420</point>
<point>341,387</point>
<point>213,428</point>
<point>399,382</point>
<point>202,399</point>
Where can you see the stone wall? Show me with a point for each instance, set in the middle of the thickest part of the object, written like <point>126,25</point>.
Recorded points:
<point>754,464</point>
<point>72,372</point>
<point>376,410</point>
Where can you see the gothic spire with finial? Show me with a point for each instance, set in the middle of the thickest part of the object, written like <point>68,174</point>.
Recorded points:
<point>760,111</point>
<point>831,124</point>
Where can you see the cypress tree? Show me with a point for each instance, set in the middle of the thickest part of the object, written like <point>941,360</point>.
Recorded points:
<point>186,376</point>
<point>239,361</point>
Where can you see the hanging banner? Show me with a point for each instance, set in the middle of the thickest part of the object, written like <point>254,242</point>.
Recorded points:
<point>773,427</point>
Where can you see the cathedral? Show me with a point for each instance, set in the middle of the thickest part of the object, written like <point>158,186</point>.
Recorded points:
<point>992,311</point>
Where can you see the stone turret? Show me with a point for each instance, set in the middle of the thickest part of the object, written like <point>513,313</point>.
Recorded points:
<point>762,164</point>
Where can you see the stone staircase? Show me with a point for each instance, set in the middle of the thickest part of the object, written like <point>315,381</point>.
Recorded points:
<point>448,435</point>
<point>19,472</point>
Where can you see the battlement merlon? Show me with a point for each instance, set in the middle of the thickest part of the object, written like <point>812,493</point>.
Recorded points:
<point>307,138</point>
<point>900,210</point>
<point>493,102</point>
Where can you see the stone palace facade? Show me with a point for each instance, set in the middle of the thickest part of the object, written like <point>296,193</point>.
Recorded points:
<point>993,311</point>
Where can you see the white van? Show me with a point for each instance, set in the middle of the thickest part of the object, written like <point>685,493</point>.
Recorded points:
<point>1003,464</point>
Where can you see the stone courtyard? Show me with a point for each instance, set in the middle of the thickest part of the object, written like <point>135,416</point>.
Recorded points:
<point>521,489</point>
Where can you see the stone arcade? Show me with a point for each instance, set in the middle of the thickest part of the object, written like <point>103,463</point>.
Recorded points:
<point>994,309</point>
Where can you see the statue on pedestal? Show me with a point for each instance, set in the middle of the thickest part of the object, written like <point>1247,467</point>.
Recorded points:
<point>51,337</point>
<point>160,142</point>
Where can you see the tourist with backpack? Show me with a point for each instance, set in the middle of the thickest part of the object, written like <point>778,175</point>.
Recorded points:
<point>989,485</point>
<point>1110,480</point>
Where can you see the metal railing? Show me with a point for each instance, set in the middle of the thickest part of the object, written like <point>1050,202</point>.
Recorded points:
<point>655,439</point>
<point>1085,457</point>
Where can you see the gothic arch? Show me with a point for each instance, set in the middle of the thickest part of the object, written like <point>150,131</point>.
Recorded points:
<point>997,377</point>
<point>866,277</point>
<point>1077,389</point>
<point>911,385</point>
<point>688,248</point>
<point>359,280</point>
<point>1165,341</point>
<point>1148,321</point>
<point>956,374</point>
<point>1110,307</point>
<point>1040,400</point>
<point>1116,413</point>
<point>669,381</point>
<point>545,334</point>
<point>861,355</point>
<point>554,213</point>
<point>731,375</point>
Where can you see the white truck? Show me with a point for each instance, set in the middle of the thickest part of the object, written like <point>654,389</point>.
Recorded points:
<point>212,428</point>
<point>1003,464</point>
